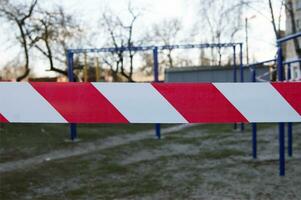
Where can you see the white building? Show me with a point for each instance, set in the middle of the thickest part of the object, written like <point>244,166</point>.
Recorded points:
<point>290,53</point>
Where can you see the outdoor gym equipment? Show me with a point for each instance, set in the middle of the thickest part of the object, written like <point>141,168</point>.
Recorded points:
<point>154,49</point>
<point>281,77</point>
<point>151,103</point>
<point>286,99</point>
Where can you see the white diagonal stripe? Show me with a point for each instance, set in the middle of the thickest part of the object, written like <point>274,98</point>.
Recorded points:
<point>20,102</point>
<point>259,102</point>
<point>140,103</point>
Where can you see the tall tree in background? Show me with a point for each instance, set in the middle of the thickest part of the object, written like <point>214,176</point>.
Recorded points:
<point>289,8</point>
<point>275,24</point>
<point>222,20</point>
<point>120,35</point>
<point>19,14</point>
<point>51,32</point>
<point>166,33</point>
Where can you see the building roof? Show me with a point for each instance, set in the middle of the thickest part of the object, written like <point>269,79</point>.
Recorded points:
<point>204,68</point>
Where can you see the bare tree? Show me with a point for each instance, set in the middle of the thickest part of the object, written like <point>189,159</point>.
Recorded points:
<point>273,20</point>
<point>121,37</point>
<point>289,8</point>
<point>166,33</point>
<point>222,20</point>
<point>50,32</point>
<point>19,14</point>
<point>148,62</point>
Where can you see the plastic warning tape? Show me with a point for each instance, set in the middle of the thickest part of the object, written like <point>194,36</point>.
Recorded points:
<point>149,102</point>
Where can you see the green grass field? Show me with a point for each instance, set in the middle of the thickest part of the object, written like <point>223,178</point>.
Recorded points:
<point>19,141</point>
<point>198,162</point>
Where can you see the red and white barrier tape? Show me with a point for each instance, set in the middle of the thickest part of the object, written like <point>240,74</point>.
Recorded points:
<point>149,102</point>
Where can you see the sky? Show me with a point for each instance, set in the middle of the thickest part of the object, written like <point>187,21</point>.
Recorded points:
<point>261,36</point>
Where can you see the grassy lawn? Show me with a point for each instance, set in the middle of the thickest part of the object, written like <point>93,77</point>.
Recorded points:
<point>19,141</point>
<point>199,162</point>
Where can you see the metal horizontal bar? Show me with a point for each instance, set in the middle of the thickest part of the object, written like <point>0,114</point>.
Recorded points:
<point>289,37</point>
<point>292,61</point>
<point>262,62</point>
<point>146,48</point>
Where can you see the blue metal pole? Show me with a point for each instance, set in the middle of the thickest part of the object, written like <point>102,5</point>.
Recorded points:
<point>156,64</point>
<point>254,125</point>
<point>70,66</point>
<point>290,139</point>
<point>281,149</point>
<point>289,37</point>
<point>254,140</point>
<point>281,125</point>
<point>234,65</point>
<point>242,126</point>
<point>234,73</point>
<point>73,132</point>
<point>156,79</point>
<point>289,125</point>
<point>279,63</point>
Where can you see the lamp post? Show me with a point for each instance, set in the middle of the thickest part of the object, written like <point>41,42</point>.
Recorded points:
<point>247,36</point>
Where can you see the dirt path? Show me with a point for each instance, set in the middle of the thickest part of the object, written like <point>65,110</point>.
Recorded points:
<point>87,147</point>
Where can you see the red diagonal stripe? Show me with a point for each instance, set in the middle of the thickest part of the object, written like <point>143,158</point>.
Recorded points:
<point>79,102</point>
<point>3,119</point>
<point>291,92</point>
<point>200,102</point>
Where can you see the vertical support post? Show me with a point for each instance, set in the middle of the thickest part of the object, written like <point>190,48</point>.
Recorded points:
<point>279,63</point>
<point>289,125</point>
<point>234,65</point>
<point>70,65</point>
<point>281,125</point>
<point>290,139</point>
<point>241,67</point>
<point>254,125</point>
<point>156,79</point>
<point>156,64</point>
<point>254,140</point>
<point>234,74</point>
<point>281,149</point>
<point>73,132</point>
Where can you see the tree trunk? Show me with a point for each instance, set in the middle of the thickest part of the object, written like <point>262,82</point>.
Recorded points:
<point>131,65</point>
<point>26,54</point>
<point>277,34</point>
<point>170,58</point>
<point>50,57</point>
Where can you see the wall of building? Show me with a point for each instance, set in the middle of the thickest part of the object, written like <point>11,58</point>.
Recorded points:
<point>211,74</point>
<point>290,49</point>
<point>290,53</point>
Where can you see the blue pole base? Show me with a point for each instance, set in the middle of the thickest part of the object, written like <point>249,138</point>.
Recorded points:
<point>254,140</point>
<point>290,139</point>
<point>281,149</point>
<point>235,126</point>
<point>158,130</point>
<point>73,132</point>
<point>242,127</point>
